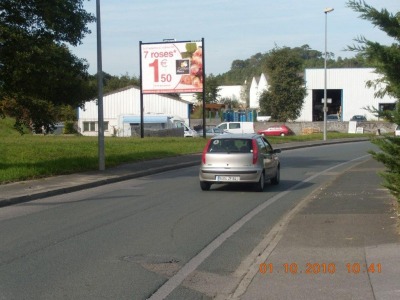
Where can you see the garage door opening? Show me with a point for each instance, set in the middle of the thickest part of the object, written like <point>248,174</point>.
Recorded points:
<point>334,103</point>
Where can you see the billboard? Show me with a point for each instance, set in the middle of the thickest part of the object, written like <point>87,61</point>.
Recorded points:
<point>171,67</point>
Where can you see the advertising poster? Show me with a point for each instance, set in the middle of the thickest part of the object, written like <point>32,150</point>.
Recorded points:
<point>173,67</point>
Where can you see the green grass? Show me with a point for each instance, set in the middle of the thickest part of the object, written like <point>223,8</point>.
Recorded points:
<point>314,137</point>
<point>28,156</point>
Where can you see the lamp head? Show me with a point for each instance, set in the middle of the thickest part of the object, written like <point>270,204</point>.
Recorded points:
<point>328,10</point>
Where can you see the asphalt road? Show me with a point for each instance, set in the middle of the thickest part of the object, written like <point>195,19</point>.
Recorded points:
<point>156,234</point>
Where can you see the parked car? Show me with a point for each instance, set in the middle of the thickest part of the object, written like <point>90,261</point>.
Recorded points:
<point>397,131</point>
<point>358,118</point>
<point>239,158</point>
<point>332,117</point>
<point>281,130</point>
<point>210,131</point>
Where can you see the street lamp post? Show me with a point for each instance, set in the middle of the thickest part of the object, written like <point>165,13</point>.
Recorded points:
<point>100,92</point>
<point>326,11</point>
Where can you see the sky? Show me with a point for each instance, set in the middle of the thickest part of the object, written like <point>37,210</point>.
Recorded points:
<point>232,29</point>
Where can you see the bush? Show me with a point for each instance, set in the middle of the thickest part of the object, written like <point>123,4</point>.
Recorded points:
<point>389,156</point>
<point>69,128</point>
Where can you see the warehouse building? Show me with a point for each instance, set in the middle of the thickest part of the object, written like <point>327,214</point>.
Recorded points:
<point>119,105</point>
<point>347,94</point>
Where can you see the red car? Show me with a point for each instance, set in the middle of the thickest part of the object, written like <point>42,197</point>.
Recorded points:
<point>281,130</point>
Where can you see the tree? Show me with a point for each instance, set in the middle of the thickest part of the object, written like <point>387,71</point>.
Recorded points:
<point>386,60</point>
<point>311,58</point>
<point>244,93</point>
<point>113,83</point>
<point>119,82</point>
<point>284,98</point>
<point>211,90</point>
<point>38,72</point>
<point>230,103</point>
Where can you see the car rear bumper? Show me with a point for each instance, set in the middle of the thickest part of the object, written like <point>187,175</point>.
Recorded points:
<point>244,175</point>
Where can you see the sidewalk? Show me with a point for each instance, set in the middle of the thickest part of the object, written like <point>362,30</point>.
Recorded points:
<point>341,245</point>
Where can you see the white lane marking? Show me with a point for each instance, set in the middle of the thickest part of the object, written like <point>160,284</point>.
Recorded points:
<point>192,264</point>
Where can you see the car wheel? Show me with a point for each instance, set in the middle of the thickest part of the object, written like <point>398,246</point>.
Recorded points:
<point>205,186</point>
<point>261,183</point>
<point>275,180</point>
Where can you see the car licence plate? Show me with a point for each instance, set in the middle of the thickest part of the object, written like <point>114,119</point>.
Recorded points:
<point>227,178</point>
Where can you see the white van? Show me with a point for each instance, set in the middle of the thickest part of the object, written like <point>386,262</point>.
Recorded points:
<point>237,127</point>
<point>187,131</point>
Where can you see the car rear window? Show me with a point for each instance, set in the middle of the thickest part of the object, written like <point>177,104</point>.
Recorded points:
<point>230,145</point>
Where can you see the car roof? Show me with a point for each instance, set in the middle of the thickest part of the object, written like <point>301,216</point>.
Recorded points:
<point>236,136</point>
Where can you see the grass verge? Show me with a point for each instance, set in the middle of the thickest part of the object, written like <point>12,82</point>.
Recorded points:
<point>28,157</point>
<point>24,157</point>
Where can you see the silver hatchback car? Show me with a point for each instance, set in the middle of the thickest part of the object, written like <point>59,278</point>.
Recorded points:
<point>239,158</point>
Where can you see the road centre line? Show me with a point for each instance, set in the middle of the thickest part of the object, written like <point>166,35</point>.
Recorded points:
<point>195,262</point>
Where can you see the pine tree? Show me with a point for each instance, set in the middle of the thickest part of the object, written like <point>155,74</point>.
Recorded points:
<point>386,60</point>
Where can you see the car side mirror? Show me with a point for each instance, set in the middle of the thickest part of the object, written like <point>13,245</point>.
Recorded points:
<point>277,151</point>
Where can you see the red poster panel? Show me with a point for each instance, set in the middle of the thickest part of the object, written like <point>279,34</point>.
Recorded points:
<point>175,67</point>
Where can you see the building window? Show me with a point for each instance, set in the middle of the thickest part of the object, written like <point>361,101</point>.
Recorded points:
<point>92,126</point>
<point>387,106</point>
<point>89,126</point>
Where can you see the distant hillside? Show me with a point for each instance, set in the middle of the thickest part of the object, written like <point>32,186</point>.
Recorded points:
<point>245,70</point>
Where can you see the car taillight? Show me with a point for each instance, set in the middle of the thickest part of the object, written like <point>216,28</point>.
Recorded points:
<point>255,151</point>
<point>203,155</point>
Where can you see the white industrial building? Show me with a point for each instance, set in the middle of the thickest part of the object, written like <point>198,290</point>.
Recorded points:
<point>257,87</point>
<point>232,92</point>
<point>347,94</point>
<point>126,102</point>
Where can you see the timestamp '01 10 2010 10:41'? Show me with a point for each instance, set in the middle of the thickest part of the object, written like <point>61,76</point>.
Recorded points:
<point>319,268</point>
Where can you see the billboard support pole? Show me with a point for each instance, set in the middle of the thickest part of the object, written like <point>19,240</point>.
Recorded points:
<point>204,90</point>
<point>141,92</point>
